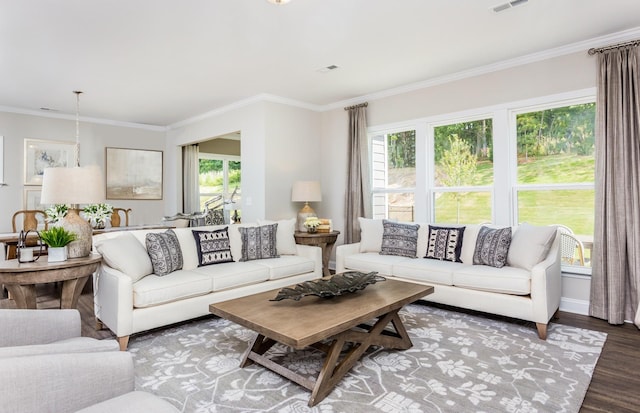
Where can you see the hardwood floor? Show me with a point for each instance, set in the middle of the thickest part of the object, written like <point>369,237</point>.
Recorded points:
<point>614,387</point>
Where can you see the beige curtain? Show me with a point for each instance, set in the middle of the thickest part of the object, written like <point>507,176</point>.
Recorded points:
<point>358,195</point>
<point>190,185</point>
<point>616,252</point>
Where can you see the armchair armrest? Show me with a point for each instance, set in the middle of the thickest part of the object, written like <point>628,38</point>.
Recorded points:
<point>314,253</point>
<point>24,327</point>
<point>64,382</point>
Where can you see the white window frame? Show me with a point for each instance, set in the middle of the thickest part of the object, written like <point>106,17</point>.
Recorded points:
<point>225,171</point>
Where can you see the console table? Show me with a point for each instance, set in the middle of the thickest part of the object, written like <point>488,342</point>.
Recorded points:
<point>21,278</point>
<point>324,240</point>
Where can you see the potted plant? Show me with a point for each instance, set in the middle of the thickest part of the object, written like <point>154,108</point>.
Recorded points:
<point>97,214</point>
<point>56,212</point>
<point>57,238</point>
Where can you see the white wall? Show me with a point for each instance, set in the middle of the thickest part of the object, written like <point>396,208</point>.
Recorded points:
<point>93,140</point>
<point>553,76</point>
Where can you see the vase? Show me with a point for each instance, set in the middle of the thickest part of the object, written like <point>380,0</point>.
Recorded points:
<point>99,225</point>
<point>312,230</point>
<point>57,254</point>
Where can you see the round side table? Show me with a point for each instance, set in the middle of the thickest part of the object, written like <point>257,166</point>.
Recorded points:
<point>324,240</point>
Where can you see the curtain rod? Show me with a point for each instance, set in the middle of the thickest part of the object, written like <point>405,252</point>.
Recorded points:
<point>595,50</point>
<point>361,105</point>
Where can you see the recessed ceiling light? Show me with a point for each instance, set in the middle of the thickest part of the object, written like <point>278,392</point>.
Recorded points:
<point>279,2</point>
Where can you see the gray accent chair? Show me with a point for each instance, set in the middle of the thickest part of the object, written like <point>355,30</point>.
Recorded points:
<point>47,367</point>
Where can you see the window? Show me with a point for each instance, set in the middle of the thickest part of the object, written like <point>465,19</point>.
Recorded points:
<point>393,157</point>
<point>463,172</point>
<point>220,178</point>
<point>555,174</point>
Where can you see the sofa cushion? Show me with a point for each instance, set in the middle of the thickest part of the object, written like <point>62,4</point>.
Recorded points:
<point>127,255</point>
<point>373,261</point>
<point>287,266</point>
<point>445,243</point>
<point>507,280</point>
<point>259,242</point>
<point>154,290</point>
<point>399,239</point>
<point>430,271</point>
<point>492,246</point>
<point>530,245</point>
<point>285,241</point>
<point>164,251</point>
<point>234,274</point>
<point>213,246</point>
<point>370,234</point>
<point>70,345</point>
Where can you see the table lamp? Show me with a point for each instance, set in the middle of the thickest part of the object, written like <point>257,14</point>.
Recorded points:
<point>74,186</point>
<point>305,191</point>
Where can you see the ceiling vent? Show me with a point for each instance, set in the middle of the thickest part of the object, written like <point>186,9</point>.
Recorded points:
<point>508,5</point>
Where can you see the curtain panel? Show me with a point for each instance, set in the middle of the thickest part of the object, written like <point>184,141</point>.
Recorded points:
<point>358,194</point>
<point>190,175</point>
<point>616,253</point>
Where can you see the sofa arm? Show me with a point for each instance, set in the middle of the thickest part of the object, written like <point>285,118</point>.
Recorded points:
<point>64,382</point>
<point>113,300</point>
<point>546,285</point>
<point>313,253</point>
<point>343,251</point>
<point>25,327</point>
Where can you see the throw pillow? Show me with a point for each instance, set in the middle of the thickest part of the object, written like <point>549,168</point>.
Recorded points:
<point>285,241</point>
<point>445,243</point>
<point>399,239</point>
<point>213,246</point>
<point>492,247</point>
<point>370,234</point>
<point>530,245</point>
<point>259,242</point>
<point>127,255</point>
<point>164,250</point>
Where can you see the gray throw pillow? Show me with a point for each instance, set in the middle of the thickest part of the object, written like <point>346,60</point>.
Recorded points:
<point>492,247</point>
<point>164,250</point>
<point>399,239</point>
<point>258,242</point>
<point>445,243</point>
<point>213,246</point>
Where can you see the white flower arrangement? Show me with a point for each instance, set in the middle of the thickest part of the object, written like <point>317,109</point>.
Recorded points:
<point>56,212</point>
<point>312,223</point>
<point>97,214</point>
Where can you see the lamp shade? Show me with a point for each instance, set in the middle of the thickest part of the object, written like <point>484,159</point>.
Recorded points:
<point>306,191</point>
<point>77,185</point>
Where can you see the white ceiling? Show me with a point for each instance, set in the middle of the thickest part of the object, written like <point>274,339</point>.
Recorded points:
<point>159,62</point>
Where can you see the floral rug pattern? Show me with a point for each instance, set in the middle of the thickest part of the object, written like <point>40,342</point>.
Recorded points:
<point>458,363</point>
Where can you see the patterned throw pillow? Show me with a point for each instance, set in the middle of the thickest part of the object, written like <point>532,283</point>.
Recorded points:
<point>492,247</point>
<point>445,243</point>
<point>399,239</point>
<point>259,242</point>
<point>213,246</point>
<point>164,250</point>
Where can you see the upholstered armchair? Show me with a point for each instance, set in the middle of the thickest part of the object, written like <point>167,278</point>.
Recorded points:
<point>48,367</point>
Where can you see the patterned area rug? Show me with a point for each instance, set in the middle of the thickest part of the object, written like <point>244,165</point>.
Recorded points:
<point>458,363</point>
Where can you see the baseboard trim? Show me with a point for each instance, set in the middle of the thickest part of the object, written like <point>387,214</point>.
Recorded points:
<point>571,305</point>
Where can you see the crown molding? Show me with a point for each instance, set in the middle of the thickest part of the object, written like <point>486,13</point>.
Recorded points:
<point>66,116</point>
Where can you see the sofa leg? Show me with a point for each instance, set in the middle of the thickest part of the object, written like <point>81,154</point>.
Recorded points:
<point>542,331</point>
<point>124,342</point>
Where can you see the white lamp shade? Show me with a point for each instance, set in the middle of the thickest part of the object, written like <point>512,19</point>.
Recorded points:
<point>77,185</point>
<point>306,191</point>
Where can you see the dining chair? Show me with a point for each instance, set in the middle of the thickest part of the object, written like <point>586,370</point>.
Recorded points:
<point>115,217</point>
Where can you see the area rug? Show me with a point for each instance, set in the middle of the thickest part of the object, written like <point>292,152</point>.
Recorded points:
<point>458,363</point>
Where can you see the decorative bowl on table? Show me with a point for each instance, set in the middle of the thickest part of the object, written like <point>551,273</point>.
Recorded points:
<point>339,284</point>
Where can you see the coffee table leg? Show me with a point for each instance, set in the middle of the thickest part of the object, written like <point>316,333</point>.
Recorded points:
<point>259,346</point>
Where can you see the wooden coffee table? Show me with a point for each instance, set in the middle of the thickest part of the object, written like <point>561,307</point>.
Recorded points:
<point>308,322</point>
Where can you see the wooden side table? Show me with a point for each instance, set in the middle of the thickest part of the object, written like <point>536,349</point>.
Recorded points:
<point>21,278</point>
<point>324,240</point>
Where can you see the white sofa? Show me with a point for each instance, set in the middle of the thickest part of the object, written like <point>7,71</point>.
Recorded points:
<point>527,288</point>
<point>129,298</point>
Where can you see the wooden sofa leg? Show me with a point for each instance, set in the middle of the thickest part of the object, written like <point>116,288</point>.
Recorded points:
<point>542,331</point>
<point>124,342</point>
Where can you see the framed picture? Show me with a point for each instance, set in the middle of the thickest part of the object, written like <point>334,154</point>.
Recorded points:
<point>40,154</point>
<point>134,173</point>
<point>32,198</point>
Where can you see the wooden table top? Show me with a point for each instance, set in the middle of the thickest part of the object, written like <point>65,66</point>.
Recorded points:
<point>312,319</point>
<point>13,266</point>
